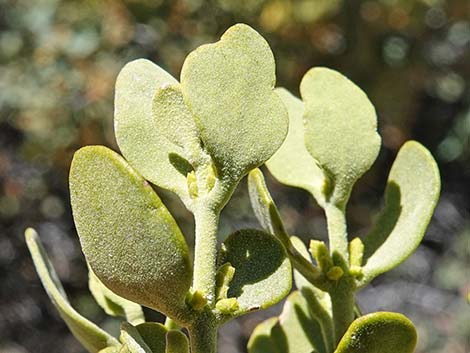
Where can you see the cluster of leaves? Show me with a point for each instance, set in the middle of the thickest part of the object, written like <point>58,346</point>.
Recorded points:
<point>198,138</point>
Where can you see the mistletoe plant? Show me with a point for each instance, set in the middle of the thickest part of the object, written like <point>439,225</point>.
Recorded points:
<point>198,138</point>
<point>332,142</point>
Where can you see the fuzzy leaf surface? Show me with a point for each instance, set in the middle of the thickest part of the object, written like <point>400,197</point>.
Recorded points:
<point>176,342</point>
<point>137,134</point>
<point>292,164</point>
<point>380,332</point>
<point>87,333</point>
<point>262,270</point>
<point>228,85</point>
<point>340,129</point>
<point>411,195</point>
<point>129,238</point>
<point>153,334</point>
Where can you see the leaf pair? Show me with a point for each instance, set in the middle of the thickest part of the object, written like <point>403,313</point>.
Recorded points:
<point>224,106</point>
<point>332,137</point>
<point>331,142</point>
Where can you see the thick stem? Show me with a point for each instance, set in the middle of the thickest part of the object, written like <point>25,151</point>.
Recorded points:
<point>205,254</point>
<point>337,232</point>
<point>342,302</point>
<point>203,334</point>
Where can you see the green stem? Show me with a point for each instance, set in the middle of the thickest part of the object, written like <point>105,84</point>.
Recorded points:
<point>203,334</point>
<point>205,254</point>
<point>342,302</point>
<point>337,232</point>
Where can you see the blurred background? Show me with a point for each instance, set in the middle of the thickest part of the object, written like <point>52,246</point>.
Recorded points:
<point>58,64</point>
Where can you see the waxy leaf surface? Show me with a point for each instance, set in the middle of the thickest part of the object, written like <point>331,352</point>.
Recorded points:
<point>137,134</point>
<point>228,86</point>
<point>112,303</point>
<point>340,129</point>
<point>87,333</point>
<point>129,238</point>
<point>262,270</point>
<point>410,198</point>
<point>292,164</point>
<point>379,332</point>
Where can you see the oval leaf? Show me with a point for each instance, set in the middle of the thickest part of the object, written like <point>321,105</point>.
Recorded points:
<point>410,198</point>
<point>262,271</point>
<point>262,340</point>
<point>87,333</point>
<point>129,238</point>
<point>340,129</point>
<point>138,137</point>
<point>292,164</point>
<point>132,339</point>
<point>112,303</point>
<point>228,86</point>
<point>380,332</point>
<point>176,342</point>
<point>153,334</point>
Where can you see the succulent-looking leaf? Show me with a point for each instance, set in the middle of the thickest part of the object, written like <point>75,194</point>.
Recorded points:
<point>294,331</point>
<point>262,270</point>
<point>292,164</point>
<point>112,303</point>
<point>267,337</point>
<point>129,238</point>
<point>132,339</point>
<point>138,137</point>
<point>87,333</point>
<point>154,336</point>
<point>380,332</point>
<point>173,118</point>
<point>410,198</point>
<point>228,86</point>
<point>340,129</point>
<point>176,342</point>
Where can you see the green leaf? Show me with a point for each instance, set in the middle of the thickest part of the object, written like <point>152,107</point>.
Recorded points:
<point>173,118</point>
<point>262,271</point>
<point>262,340</point>
<point>132,339</point>
<point>228,86</point>
<point>340,129</point>
<point>292,164</point>
<point>154,336</point>
<point>87,333</point>
<point>129,238</point>
<point>380,332</point>
<point>410,198</point>
<point>176,342</point>
<point>268,215</point>
<point>294,331</point>
<point>137,134</point>
<point>112,303</point>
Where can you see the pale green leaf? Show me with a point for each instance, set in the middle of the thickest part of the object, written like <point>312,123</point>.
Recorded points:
<point>380,332</point>
<point>138,137</point>
<point>340,129</point>
<point>228,86</point>
<point>262,270</point>
<point>176,342</point>
<point>132,339</point>
<point>87,333</point>
<point>410,198</point>
<point>154,336</point>
<point>294,331</point>
<point>112,303</point>
<point>292,164</point>
<point>173,118</point>
<point>264,340</point>
<point>129,238</point>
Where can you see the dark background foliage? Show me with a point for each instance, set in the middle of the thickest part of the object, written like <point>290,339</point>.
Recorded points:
<point>58,63</point>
